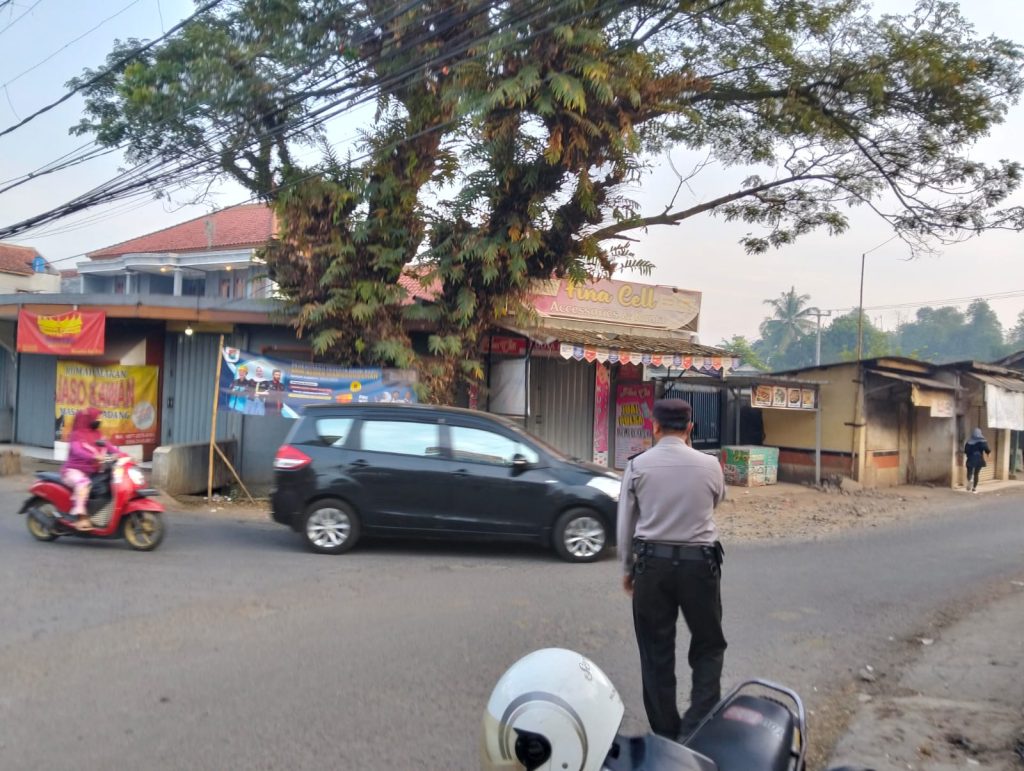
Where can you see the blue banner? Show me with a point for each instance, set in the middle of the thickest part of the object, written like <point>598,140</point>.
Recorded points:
<point>259,385</point>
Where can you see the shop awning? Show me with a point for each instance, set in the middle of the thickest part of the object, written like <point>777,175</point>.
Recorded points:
<point>923,382</point>
<point>602,343</point>
<point>1006,383</point>
<point>1004,400</point>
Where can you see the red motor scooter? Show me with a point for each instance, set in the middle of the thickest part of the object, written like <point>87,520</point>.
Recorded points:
<point>119,505</point>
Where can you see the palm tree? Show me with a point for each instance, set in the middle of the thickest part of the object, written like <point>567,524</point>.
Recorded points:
<point>790,320</point>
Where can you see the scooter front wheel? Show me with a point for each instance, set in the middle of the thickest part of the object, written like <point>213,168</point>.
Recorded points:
<point>144,530</point>
<point>38,530</point>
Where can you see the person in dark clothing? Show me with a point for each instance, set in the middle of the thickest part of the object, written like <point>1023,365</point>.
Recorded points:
<point>975,451</point>
<point>666,507</point>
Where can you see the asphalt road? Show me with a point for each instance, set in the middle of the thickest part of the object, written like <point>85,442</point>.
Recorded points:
<point>231,647</point>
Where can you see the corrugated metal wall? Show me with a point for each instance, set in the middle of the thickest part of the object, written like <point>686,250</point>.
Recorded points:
<point>8,384</point>
<point>188,391</point>
<point>37,400</point>
<point>562,405</point>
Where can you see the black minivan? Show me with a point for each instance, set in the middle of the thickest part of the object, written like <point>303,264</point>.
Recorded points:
<point>417,470</point>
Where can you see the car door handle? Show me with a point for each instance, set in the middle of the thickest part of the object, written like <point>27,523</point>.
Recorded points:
<point>461,472</point>
<point>359,463</point>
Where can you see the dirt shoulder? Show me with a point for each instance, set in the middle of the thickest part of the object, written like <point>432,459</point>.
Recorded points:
<point>800,512</point>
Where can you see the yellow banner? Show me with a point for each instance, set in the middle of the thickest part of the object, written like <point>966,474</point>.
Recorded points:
<point>126,395</point>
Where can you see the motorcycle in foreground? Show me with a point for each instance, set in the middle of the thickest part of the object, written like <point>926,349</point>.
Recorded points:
<point>555,710</point>
<point>119,506</point>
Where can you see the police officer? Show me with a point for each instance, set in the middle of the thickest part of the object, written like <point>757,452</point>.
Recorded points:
<point>666,509</point>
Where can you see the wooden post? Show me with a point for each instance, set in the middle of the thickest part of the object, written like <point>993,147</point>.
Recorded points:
<point>213,420</point>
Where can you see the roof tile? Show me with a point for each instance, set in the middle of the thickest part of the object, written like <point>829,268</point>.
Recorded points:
<point>238,226</point>
<point>17,259</point>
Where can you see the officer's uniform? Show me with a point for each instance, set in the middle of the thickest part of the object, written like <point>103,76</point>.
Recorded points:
<point>666,508</point>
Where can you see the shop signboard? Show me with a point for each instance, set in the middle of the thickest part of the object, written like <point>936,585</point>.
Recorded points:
<point>619,302</point>
<point>127,396</point>
<point>782,397</point>
<point>79,333</point>
<point>634,420</point>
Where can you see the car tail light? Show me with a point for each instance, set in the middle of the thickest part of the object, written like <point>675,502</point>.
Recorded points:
<point>290,459</point>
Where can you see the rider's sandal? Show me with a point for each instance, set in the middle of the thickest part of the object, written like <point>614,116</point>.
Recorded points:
<point>83,525</point>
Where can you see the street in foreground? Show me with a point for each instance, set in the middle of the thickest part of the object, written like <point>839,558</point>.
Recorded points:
<point>231,647</point>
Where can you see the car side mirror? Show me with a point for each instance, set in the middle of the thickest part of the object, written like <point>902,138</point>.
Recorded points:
<point>519,464</point>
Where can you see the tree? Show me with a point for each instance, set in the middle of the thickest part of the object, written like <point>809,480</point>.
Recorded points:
<point>946,334</point>
<point>508,134</point>
<point>984,338</point>
<point>1015,337</point>
<point>740,347</point>
<point>789,321</point>
<point>839,341</point>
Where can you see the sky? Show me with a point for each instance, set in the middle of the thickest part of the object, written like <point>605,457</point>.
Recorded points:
<point>43,43</point>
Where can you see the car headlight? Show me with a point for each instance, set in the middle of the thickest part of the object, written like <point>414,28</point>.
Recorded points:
<point>607,485</point>
<point>137,477</point>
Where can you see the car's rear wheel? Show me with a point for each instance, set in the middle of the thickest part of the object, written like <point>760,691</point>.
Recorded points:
<point>580,535</point>
<point>332,527</point>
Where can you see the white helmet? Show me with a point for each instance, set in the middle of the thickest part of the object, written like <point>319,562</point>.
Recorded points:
<point>553,710</point>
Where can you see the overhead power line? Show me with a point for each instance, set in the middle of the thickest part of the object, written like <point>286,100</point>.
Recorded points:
<point>158,173</point>
<point>112,68</point>
<point>67,45</point>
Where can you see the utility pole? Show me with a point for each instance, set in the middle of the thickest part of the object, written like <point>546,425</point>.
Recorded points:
<point>817,312</point>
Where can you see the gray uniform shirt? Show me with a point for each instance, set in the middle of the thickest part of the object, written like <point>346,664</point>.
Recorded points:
<point>669,494</point>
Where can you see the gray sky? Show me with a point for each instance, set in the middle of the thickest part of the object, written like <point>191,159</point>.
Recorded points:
<point>702,254</point>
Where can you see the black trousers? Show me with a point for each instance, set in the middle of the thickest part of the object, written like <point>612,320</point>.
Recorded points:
<point>660,592</point>
<point>972,474</point>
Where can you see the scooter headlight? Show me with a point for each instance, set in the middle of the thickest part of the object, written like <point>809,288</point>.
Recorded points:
<point>137,477</point>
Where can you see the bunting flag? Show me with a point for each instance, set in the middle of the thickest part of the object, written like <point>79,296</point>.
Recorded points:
<point>710,364</point>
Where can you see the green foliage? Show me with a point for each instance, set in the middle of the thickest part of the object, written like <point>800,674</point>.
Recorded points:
<point>740,347</point>
<point>508,135</point>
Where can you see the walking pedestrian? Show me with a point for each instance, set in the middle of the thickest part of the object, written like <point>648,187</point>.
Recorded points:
<point>672,558</point>
<point>975,451</point>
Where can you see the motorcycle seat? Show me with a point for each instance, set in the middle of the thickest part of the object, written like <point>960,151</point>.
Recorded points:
<point>747,733</point>
<point>50,476</point>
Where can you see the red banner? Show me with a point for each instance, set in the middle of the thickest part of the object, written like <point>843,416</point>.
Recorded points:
<point>77,332</point>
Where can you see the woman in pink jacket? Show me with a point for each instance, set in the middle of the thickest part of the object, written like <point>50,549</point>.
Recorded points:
<point>85,458</point>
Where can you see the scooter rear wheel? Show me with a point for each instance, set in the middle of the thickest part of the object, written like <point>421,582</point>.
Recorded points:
<point>144,530</point>
<point>38,530</point>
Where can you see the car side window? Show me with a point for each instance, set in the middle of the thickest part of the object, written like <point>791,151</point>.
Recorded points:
<point>476,445</point>
<point>334,432</point>
<point>401,437</point>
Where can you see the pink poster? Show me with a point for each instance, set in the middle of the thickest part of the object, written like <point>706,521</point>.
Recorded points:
<point>602,394</point>
<point>634,427</point>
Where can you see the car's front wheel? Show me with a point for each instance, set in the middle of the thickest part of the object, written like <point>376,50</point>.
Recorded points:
<point>580,535</point>
<point>332,527</point>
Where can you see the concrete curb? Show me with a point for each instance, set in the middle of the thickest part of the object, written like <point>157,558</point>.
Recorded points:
<point>959,705</point>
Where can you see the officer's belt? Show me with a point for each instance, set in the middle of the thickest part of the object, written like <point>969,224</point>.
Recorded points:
<point>671,551</point>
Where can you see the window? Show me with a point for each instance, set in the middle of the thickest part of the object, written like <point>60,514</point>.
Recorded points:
<point>334,431</point>
<point>475,445</point>
<point>401,438</point>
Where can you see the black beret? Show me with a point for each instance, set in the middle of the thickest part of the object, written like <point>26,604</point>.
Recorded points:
<point>673,414</point>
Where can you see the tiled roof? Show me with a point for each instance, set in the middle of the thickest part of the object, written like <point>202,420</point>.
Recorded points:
<point>416,290</point>
<point>17,259</point>
<point>239,226</point>
<point>653,343</point>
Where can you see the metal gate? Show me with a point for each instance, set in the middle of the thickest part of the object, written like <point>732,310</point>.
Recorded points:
<point>707,412</point>
<point>561,405</point>
<point>36,407</point>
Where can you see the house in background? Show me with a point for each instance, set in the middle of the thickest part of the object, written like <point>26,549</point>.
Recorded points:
<point>23,269</point>
<point>213,256</point>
